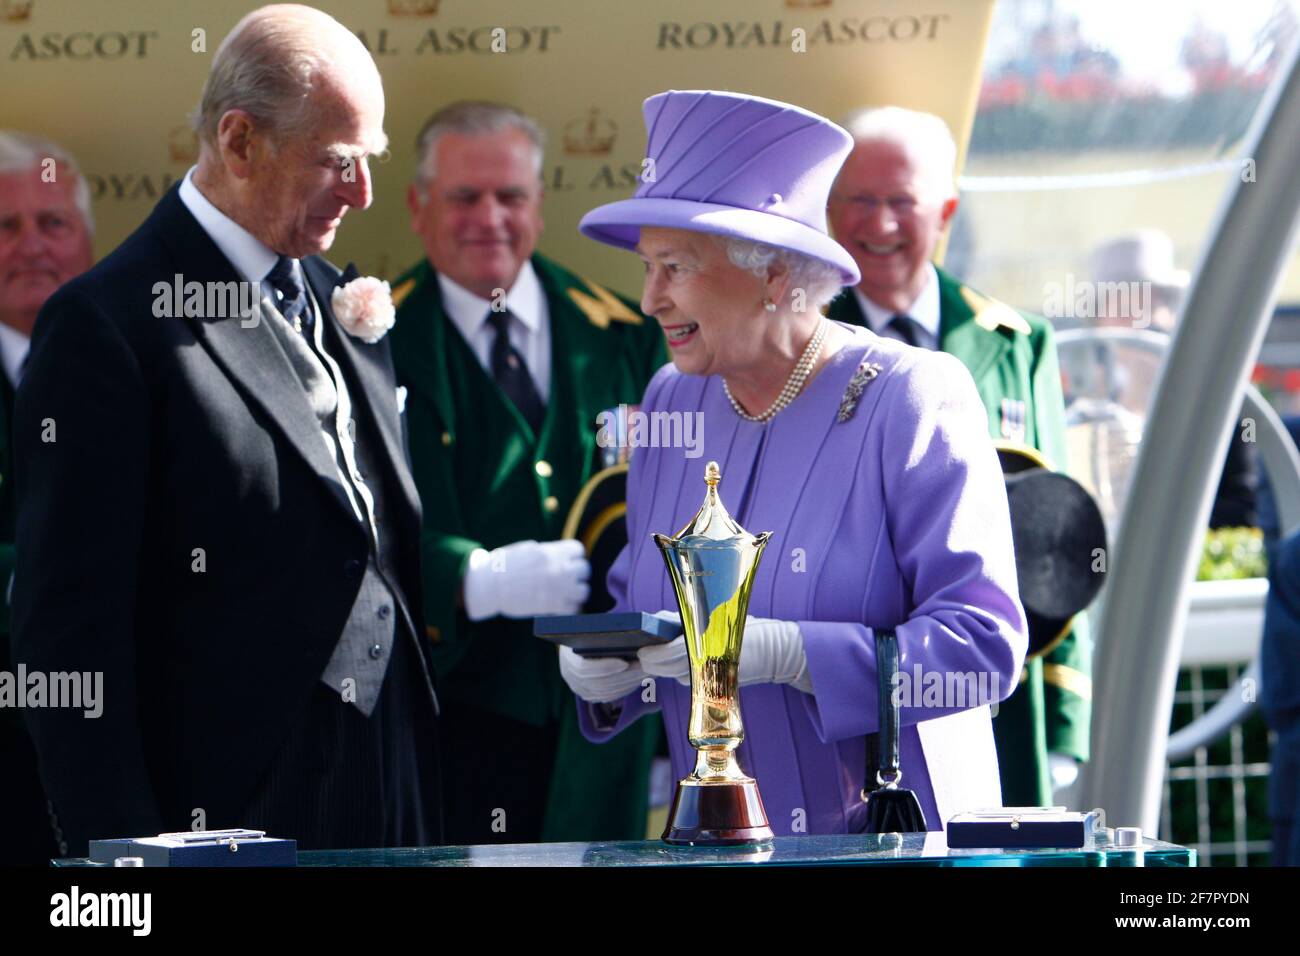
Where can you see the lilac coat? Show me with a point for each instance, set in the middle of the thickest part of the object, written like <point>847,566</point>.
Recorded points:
<point>897,517</point>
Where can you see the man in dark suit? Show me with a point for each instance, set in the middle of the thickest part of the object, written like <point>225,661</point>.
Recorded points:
<point>45,229</point>
<point>214,510</point>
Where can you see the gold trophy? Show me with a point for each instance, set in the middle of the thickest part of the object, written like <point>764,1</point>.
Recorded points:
<point>712,562</point>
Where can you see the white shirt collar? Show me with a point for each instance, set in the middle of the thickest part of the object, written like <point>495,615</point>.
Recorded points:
<point>13,349</point>
<point>924,311</point>
<point>251,257</point>
<point>526,300</point>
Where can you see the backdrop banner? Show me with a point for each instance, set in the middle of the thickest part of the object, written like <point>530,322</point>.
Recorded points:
<point>116,82</point>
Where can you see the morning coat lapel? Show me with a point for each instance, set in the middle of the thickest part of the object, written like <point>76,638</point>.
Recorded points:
<point>368,375</point>
<point>367,369</point>
<point>244,345</point>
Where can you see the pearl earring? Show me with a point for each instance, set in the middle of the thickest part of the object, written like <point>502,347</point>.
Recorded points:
<point>769,305</point>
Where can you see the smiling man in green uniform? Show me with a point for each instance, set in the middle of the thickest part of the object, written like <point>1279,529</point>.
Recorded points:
<point>891,203</point>
<point>508,359</point>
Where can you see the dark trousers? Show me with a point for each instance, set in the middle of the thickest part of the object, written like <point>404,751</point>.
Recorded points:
<point>497,774</point>
<point>343,780</point>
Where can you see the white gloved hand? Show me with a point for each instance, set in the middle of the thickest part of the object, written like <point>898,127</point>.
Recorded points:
<point>601,680</point>
<point>667,660</point>
<point>526,579</point>
<point>771,652</point>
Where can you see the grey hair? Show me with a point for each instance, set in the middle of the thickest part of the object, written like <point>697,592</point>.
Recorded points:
<point>472,118</point>
<point>268,64</point>
<point>20,152</point>
<point>924,135</point>
<point>820,280</point>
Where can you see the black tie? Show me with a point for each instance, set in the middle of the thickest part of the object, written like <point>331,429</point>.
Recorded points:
<point>283,278</point>
<point>511,373</point>
<point>907,328</point>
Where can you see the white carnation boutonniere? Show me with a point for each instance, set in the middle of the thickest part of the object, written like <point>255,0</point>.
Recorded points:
<point>364,306</point>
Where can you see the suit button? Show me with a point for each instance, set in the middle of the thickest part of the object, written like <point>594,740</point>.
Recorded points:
<point>551,504</point>
<point>544,469</point>
<point>376,652</point>
<point>446,438</point>
<point>352,569</point>
<point>434,635</point>
<point>384,611</point>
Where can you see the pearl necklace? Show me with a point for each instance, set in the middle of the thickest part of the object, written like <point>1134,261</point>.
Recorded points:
<point>793,385</point>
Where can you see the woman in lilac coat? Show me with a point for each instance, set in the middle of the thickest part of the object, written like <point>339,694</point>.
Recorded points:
<point>867,459</point>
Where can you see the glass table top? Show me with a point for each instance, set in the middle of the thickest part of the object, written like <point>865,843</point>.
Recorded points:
<point>910,849</point>
<point>890,849</point>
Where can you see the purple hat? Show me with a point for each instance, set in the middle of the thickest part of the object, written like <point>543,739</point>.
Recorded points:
<point>733,165</point>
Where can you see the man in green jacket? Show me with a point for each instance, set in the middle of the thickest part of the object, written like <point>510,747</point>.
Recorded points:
<point>891,203</point>
<point>508,360</point>
<point>45,230</point>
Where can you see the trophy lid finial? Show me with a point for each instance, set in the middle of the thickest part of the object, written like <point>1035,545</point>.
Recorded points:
<point>712,520</point>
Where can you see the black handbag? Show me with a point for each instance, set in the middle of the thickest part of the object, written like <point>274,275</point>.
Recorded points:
<point>886,807</point>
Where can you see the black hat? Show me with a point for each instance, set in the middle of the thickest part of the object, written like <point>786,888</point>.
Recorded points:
<point>1059,534</point>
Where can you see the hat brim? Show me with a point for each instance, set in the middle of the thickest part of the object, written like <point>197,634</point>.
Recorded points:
<point>620,223</point>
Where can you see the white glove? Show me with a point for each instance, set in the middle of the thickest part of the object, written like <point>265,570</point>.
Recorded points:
<point>670,659</point>
<point>771,652</point>
<point>601,680</point>
<point>526,579</point>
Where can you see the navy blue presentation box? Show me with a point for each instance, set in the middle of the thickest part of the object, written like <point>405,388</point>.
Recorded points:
<point>164,851</point>
<point>606,635</point>
<point>1020,828</point>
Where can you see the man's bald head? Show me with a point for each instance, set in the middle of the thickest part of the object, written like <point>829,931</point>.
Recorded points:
<point>274,64</point>
<point>291,112</point>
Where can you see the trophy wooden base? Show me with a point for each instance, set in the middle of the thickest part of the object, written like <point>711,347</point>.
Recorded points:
<point>717,814</point>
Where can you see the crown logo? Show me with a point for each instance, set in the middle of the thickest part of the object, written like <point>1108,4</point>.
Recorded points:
<point>183,145</point>
<point>592,135</point>
<point>807,4</point>
<point>15,11</point>
<point>413,8</point>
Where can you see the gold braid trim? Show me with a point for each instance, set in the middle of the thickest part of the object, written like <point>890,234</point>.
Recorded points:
<point>1067,678</point>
